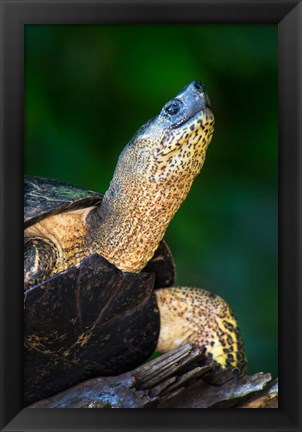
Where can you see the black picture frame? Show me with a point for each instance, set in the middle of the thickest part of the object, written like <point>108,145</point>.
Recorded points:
<point>14,15</point>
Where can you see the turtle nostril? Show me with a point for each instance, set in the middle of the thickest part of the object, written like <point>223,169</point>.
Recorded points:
<point>198,85</point>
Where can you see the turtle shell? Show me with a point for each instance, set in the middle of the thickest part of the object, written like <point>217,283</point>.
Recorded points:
<point>44,197</point>
<point>91,320</point>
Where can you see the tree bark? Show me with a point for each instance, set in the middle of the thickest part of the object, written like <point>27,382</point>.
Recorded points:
<point>182,378</point>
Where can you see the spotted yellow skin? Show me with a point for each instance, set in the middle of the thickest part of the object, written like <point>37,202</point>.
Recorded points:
<point>199,317</point>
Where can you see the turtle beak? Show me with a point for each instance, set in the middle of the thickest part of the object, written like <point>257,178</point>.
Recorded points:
<point>201,89</point>
<point>194,97</point>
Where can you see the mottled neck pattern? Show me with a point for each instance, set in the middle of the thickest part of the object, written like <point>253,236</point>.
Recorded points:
<point>131,227</point>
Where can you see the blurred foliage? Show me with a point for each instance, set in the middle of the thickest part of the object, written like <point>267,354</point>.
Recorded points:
<point>89,88</point>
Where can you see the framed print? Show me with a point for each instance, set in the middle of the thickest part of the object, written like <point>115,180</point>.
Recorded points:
<point>201,91</point>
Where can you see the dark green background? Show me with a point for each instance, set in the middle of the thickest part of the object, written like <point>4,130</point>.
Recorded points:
<point>89,88</point>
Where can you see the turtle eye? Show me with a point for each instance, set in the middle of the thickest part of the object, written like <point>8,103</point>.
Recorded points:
<point>173,107</point>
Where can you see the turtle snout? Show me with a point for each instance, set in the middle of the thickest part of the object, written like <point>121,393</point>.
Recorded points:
<point>201,93</point>
<point>201,89</point>
<point>199,86</point>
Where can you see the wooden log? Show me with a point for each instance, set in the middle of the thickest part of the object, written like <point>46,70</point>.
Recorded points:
<point>142,387</point>
<point>181,378</point>
<point>227,394</point>
<point>267,398</point>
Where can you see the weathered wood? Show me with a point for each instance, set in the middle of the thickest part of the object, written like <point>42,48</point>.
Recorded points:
<point>182,378</point>
<point>267,398</point>
<point>142,387</point>
<point>204,394</point>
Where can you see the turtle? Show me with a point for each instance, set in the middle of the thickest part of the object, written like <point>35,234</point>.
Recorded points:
<point>98,276</point>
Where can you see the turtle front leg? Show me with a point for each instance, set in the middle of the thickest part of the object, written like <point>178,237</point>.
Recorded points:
<point>40,257</point>
<point>198,317</point>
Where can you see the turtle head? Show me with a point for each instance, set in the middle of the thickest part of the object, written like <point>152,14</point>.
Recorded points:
<point>174,143</point>
<point>152,178</point>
